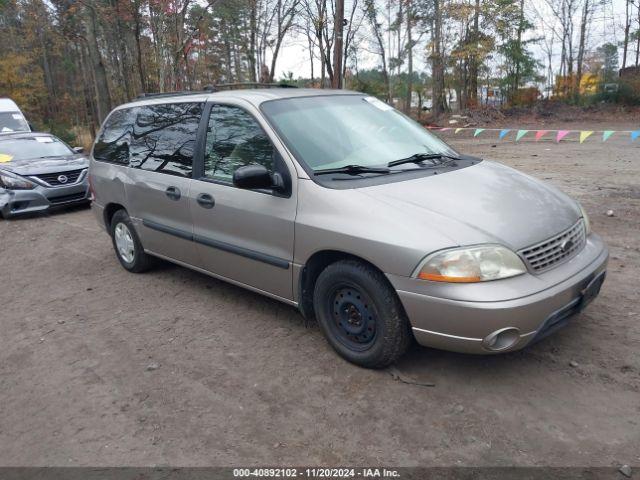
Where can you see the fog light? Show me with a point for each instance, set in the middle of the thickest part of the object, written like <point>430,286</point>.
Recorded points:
<point>502,339</point>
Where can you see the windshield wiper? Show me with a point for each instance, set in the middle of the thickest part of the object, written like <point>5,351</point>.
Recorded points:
<point>352,170</point>
<point>421,157</point>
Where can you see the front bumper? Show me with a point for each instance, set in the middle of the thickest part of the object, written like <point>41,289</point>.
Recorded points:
<point>15,202</point>
<point>462,317</point>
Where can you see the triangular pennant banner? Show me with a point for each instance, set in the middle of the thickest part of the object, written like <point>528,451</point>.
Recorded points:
<point>584,134</point>
<point>457,130</point>
<point>635,135</point>
<point>478,131</point>
<point>503,133</point>
<point>540,134</point>
<point>606,134</point>
<point>561,134</point>
<point>521,133</point>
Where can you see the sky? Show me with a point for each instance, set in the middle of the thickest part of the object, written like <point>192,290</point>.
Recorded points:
<point>607,26</point>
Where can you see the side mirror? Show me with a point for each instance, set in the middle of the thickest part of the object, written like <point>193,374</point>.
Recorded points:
<point>253,176</point>
<point>78,149</point>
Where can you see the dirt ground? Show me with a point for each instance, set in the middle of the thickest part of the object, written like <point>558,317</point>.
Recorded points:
<point>240,380</point>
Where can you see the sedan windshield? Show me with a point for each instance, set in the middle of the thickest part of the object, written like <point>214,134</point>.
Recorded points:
<point>334,131</point>
<point>32,147</point>
<point>13,122</point>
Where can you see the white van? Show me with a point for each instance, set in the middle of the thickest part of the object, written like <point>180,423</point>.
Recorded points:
<point>11,118</point>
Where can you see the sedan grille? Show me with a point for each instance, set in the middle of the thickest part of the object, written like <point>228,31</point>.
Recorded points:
<point>60,178</point>
<point>557,249</point>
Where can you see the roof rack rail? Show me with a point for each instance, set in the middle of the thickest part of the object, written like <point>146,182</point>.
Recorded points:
<point>215,88</point>
<point>250,85</point>
<point>171,94</point>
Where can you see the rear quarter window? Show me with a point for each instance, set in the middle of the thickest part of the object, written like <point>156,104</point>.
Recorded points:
<point>113,143</point>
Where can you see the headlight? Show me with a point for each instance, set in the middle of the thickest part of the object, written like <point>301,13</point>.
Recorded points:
<point>585,217</point>
<point>471,264</point>
<point>14,182</point>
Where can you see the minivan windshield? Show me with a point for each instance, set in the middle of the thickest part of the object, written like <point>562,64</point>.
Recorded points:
<point>333,131</point>
<point>13,122</point>
<point>33,147</point>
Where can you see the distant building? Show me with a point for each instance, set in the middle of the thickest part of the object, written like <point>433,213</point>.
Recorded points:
<point>630,72</point>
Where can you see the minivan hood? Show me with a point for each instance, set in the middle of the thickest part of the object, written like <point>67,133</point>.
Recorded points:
<point>487,202</point>
<point>46,165</point>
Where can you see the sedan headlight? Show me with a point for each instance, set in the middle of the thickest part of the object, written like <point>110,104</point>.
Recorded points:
<point>585,217</point>
<point>471,264</point>
<point>11,181</point>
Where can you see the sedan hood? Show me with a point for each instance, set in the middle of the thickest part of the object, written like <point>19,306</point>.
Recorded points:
<point>38,166</point>
<point>484,203</point>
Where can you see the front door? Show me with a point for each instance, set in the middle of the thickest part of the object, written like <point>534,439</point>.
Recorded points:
<point>243,235</point>
<point>163,141</point>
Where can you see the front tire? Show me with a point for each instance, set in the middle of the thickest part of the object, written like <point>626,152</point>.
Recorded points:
<point>127,244</point>
<point>360,314</point>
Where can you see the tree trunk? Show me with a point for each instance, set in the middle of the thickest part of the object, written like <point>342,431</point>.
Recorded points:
<point>627,25</point>
<point>638,39</point>
<point>516,80</point>
<point>409,57</point>
<point>583,30</point>
<point>101,85</point>
<point>253,21</point>
<point>439,104</point>
<point>338,28</point>
<point>472,90</point>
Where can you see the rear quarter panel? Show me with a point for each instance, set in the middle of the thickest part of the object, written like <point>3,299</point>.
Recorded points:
<point>108,183</point>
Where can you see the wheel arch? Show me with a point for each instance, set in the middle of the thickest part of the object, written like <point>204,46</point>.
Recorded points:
<point>109,211</point>
<point>312,268</point>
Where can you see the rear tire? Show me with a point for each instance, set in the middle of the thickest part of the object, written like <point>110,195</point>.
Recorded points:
<point>360,314</point>
<point>127,244</point>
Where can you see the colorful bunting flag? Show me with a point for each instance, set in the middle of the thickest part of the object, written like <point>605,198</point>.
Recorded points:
<point>562,134</point>
<point>540,134</point>
<point>584,134</point>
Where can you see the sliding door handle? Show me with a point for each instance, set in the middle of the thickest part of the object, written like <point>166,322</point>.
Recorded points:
<point>173,193</point>
<point>205,200</point>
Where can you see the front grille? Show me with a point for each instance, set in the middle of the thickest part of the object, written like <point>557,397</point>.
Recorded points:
<point>562,247</point>
<point>53,179</point>
<point>74,197</point>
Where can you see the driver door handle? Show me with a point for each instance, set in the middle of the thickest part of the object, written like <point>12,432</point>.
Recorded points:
<point>173,193</point>
<point>205,200</point>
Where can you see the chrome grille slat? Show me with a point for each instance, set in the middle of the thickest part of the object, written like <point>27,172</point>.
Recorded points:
<point>548,253</point>
<point>52,178</point>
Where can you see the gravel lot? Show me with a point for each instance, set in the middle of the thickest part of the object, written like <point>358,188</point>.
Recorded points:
<point>241,380</point>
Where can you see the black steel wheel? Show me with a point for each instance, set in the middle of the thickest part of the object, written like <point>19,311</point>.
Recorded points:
<point>354,317</point>
<point>360,314</point>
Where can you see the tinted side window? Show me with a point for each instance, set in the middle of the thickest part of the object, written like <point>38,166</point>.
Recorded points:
<point>164,138</point>
<point>234,139</point>
<point>113,143</point>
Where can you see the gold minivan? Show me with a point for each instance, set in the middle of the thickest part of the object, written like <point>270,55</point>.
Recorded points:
<point>336,203</point>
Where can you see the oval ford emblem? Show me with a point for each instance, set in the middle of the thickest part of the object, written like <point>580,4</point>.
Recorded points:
<point>63,178</point>
<point>566,246</point>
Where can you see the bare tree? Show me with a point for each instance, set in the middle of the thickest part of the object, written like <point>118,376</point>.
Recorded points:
<point>439,104</point>
<point>371,13</point>
<point>338,28</point>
